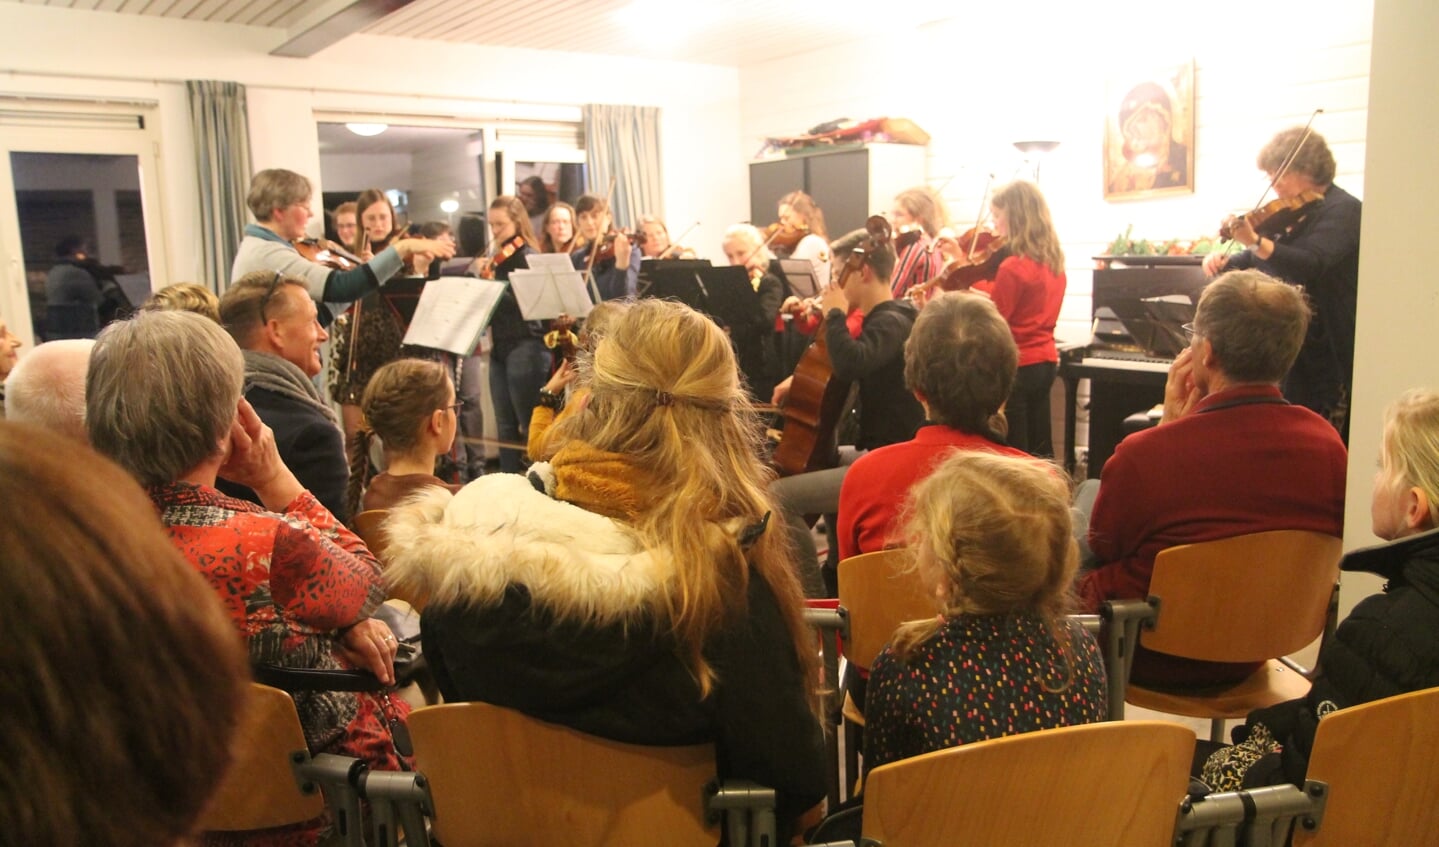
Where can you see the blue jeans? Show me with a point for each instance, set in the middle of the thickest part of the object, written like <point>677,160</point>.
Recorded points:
<point>516,377</point>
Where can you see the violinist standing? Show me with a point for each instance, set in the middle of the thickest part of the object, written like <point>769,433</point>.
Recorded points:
<point>616,267</point>
<point>1320,253</point>
<point>918,261</point>
<point>519,359</point>
<point>1028,291</point>
<point>798,210</point>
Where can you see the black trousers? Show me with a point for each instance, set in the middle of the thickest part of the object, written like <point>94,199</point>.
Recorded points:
<point>1028,409</point>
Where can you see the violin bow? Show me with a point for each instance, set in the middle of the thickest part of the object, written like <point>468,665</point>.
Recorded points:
<point>678,242</point>
<point>979,218</point>
<point>1283,168</point>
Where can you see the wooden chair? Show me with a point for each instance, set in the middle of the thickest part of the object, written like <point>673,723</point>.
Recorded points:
<point>270,782</point>
<point>1107,783</point>
<point>1380,761</point>
<point>1251,598</point>
<point>368,526</point>
<point>498,777</point>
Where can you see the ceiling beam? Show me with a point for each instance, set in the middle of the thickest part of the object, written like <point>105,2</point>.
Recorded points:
<point>336,21</point>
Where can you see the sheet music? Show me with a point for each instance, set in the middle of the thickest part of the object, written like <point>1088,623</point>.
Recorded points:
<point>550,287</point>
<point>453,313</point>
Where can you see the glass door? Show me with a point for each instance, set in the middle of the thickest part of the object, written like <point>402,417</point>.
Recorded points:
<point>80,228</point>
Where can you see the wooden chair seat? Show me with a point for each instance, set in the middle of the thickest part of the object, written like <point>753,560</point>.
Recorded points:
<point>259,791</point>
<point>1112,783</point>
<point>499,778</point>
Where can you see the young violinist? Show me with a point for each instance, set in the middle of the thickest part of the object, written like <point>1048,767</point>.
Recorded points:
<point>519,359</point>
<point>1028,291</point>
<point>615,266</point>
<point>558,234</point>
<point>798,210</point>
<point>1319,252</point>
<point>918,208</point>
<point>872,357</point>
<point>377,223</point>
<point>654,242</point>
<point>347,223</point>
<point>757,346</point>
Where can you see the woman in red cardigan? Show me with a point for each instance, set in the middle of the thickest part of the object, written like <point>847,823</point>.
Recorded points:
<point>1028,290</point>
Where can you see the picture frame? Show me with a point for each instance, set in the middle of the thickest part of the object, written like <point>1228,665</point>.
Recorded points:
<point>1149,134</point>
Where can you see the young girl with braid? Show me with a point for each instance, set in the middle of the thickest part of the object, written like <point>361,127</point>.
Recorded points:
<point>410,404</point>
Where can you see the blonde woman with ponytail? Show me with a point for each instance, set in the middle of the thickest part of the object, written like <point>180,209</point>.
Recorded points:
<point>992,536</point>
<point>632,588</point>
<point>410,405</point>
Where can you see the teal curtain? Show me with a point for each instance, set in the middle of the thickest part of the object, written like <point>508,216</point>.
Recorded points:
<point>220,123</point>
<point>623,143</point>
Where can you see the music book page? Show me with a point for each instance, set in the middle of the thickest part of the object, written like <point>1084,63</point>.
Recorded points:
<point>453,313</point>
<point>548,289</point>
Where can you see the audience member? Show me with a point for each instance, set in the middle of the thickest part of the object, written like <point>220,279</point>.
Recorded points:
<point>959,363</point>
<point>185,297</point>
<point>164,400</point>
<point>1230,457</point>
<point>992,535</point>
<point>1389,644</point>
<point>410,404</point>
<point>9,356</point>
<point>125,682</point>
<point>642,598</point>
<point>274,322</point>
<point>47,388</point>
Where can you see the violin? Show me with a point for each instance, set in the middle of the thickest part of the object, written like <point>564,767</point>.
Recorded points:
<point>1278,216</point>
<point>605,247</point>
<point>783,236</point>
<point>502,255</point>
<point>907,235</point>
<point>327,253</point>
<point>984,250</point>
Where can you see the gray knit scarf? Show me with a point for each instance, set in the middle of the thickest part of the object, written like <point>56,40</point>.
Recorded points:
<point>272,373</point>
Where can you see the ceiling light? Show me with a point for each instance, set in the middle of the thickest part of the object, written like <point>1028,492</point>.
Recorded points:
<point>449,206</point>
<point>367,130</point>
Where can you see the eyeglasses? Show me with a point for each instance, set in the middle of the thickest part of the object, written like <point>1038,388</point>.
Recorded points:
<point>1189,331</point>
<point>270,294</point>
<point>456,406</point>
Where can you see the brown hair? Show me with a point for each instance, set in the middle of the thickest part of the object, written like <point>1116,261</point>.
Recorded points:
<point>587,203</point>
<point>184,297</point>
<point>547,244</point>
<point>962,357</point>
<point>926,206</point>
<point>518,214</point>
<point>368,198</point>
<point>993,535</point>
<point>687,422</point>
<point>398,399</point>
<point>1031,230</point>
<point>805,207</point>
<point>125,679</point>
<point>251,300</point>
<point>1254,323</point>
<point>1313,158</point>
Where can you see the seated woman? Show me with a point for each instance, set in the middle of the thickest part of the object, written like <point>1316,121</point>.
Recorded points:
<point>640,597</point>
<point>410,404</point>
<point>126,679</point>
<point>163,400</point>
<point>1389,644</point>
<point>992,535</point>
<point>184,297</point>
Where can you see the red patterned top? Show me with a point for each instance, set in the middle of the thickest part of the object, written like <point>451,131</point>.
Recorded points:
<point>289,582</point>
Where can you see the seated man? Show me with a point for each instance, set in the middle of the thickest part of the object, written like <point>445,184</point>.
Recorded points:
<point>47,387</point>
<point>274,321</point>
<point>865,332</point>
<point>1230,457</point>
<point>280,201</point>
<point>959,363</point>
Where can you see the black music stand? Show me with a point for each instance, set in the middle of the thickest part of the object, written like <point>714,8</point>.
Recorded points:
<point>724,293</point>
<point>799,273</point>
<point>653,270</point>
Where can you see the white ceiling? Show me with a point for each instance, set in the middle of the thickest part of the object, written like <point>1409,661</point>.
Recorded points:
<point>336,139</point>
<point>736,33</point>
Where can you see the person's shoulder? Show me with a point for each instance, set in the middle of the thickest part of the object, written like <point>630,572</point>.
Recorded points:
<point>893,311</point>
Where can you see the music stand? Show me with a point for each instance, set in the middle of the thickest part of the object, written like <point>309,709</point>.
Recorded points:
<point>799,273</point>
<point>402,296</point>
<point>549,288</point>
<point>655,269</point>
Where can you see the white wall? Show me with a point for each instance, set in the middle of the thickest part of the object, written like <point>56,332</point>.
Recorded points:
<point>85,54</point>
<point>354,172</point>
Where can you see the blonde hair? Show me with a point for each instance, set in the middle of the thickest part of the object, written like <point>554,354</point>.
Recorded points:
<point>751,239</point>
<point>803,205</point>
<point>687,422</point>
<point>994,535</point>
<point>398,399</point>
<point>926,206</point>
<point>1031,231</point>
<point>184,297</point>
<point>1410,449</point>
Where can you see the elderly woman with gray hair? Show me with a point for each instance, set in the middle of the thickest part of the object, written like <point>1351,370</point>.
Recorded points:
<point>163,400</point>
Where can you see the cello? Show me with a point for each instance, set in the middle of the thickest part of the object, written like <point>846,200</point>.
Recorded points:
<point>817,399</point>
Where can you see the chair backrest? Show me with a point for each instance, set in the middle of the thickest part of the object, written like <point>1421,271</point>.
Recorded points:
<point>1116,783</point>
<point>880,591</point>
<point>1244,599</point>
<point>1381,762</point>
<point>499,777</point>
<point>260,791</point>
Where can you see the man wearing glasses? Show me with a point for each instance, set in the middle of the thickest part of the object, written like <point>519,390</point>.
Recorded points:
<point>1231,456</point>
<point>274,320</point>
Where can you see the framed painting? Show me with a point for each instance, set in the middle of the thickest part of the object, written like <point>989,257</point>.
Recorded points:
<point>1149,134</point>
